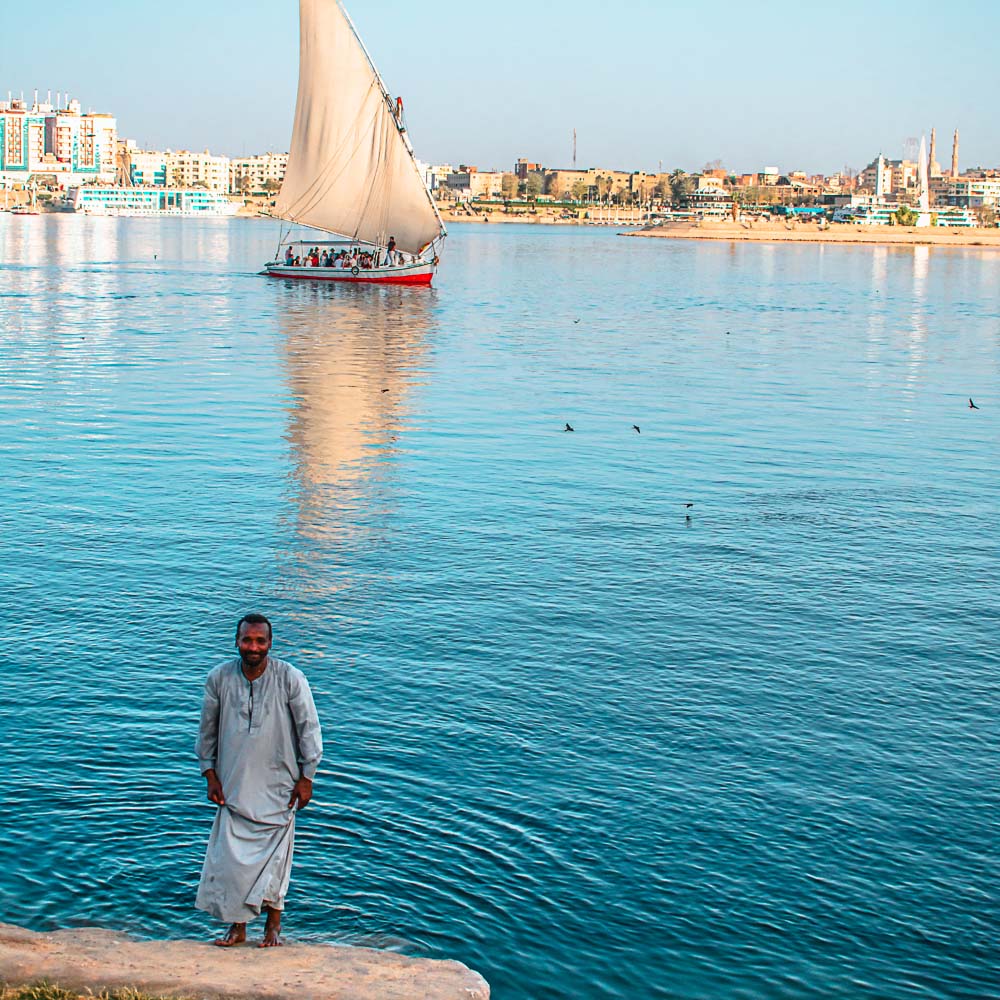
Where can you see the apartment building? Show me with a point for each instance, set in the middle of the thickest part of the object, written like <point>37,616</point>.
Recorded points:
<point>63,142</point>
<point>471,183</point>
<point>147,168</point>
<point>186,170</point>
<point>979,190</point>
<point>257,175</point>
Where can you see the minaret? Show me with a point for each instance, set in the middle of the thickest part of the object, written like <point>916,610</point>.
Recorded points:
<point>954,155</point>
<point>933,154</point>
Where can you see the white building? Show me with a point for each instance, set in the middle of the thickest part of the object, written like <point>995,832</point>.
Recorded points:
<point>260,174</point>
<point>73,147</point>
<point>435,175</point>
<point>186,170</point>
<point>148,168</point>
<point>471,184</point>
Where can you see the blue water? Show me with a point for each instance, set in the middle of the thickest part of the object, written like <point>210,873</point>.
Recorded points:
<point>587,746</point>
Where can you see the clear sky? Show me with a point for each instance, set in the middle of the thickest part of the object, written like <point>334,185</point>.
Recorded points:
<point>811,86</point>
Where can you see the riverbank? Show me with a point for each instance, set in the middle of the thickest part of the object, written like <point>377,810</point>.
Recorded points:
<point>544,216</point>
<point>90,960</point>
<point>810,232</point>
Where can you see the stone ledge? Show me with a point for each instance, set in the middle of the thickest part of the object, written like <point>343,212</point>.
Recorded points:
<point>97,959</point>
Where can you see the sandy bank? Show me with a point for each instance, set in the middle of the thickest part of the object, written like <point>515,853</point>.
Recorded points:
<point>544,216</point>
<point>539,219</point>
<point>778,232</point>
<point>97,959</point>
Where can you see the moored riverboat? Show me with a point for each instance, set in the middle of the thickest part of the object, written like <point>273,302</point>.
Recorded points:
<point>149,202</point>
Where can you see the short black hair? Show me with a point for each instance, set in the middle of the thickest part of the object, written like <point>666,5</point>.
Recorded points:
<point>254,619</point>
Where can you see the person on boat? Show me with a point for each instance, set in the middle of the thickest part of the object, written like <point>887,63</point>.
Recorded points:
<point>390,253</point>
<point>315,257</point>
<point>289,256</point>
<point>259,745</point>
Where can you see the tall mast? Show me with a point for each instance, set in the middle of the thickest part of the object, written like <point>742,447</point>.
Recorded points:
<point>388,100</point>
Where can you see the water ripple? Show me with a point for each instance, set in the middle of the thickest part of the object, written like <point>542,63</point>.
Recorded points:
<point>586,743</point>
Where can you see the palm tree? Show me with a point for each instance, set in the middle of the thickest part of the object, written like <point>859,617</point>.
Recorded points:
<point>680,186</point>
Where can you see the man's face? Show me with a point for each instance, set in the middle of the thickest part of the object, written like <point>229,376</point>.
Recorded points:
<point>254,642</point>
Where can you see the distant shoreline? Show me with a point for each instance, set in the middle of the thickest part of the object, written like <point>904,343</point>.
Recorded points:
<point>778,232</point>
<point>542,216</point>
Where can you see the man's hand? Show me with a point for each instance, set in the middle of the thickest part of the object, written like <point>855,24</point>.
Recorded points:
<point>214,788</point>
<point>302,792</point>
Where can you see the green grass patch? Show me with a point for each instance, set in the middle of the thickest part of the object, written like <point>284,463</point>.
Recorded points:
<point>47,991</point>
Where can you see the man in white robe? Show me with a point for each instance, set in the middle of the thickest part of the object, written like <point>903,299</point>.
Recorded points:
<point>259,746</point>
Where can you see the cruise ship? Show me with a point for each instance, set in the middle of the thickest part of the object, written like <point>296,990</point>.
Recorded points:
<point>150,201</point>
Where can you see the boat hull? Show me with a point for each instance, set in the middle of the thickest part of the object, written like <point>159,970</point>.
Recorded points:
<point>405,274</point>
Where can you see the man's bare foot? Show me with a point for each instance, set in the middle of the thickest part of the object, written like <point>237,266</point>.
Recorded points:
<point>236,934</point>
<point>272,930</point>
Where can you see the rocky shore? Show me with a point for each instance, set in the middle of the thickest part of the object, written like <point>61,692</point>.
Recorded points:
<point>89,959</point>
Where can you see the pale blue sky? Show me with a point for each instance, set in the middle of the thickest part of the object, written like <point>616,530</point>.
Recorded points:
<point>805,86</point>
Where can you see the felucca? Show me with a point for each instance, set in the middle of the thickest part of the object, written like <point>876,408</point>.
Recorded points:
<point>351,170</point>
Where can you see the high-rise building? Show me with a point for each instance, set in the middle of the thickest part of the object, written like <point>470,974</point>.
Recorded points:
<point>63,142</point>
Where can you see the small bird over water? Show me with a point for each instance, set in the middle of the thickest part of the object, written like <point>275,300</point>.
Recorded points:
<point>972,406</point>
<point>689,505</point>
<point>568,428</point>
<point>635,427</point>
<point>576,321</point>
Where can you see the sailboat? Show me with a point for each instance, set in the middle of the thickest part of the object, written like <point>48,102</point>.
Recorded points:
<point>351,169</point>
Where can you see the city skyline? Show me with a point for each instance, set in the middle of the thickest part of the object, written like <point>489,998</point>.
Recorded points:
<point>681,87</point>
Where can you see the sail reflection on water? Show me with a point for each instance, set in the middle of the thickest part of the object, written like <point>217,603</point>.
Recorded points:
<point>353,357</point>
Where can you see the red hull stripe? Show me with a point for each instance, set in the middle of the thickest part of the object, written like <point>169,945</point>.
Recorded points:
<point>399,279</point>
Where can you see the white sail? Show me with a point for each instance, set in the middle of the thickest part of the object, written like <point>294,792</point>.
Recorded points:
<point>924,202</point>
<point>350,169</point>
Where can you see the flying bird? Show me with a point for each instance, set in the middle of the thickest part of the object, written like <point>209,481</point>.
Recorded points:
<point>689,505</point>
<point>635,427</point>
<point>385,390</point>
<point>972,406</point>
<point>576,321</point>
<point>568,428</point>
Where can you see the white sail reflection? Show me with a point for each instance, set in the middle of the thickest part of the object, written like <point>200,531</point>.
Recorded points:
<point>352,361</point>
<point>917,334</point>
<point>878,296</point>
